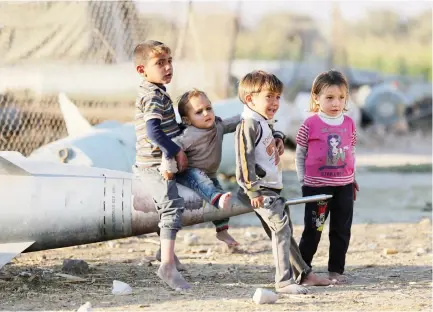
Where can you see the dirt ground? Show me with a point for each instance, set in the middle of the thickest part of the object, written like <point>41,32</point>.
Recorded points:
<point>390,214</point>
<point>225,281</point>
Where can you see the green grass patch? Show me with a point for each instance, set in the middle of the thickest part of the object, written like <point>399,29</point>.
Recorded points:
<point>421,168</point>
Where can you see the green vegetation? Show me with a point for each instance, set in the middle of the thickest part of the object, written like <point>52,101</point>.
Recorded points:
<point>421,168</point>
<point>380,41</point>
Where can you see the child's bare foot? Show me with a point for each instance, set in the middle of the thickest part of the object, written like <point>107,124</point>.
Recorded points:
<point>169,274</point>
<point>225,201</point>
<point>313,279</point>
<point>167,175</point>
<point>337,278</point>
<point>225,237</point>
<point>293,289</point>
<point>179,266</point>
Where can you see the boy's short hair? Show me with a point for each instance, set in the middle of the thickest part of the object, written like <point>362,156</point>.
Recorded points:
<point>256,81</point>
<point>147,49</point>
<point>182,102</point>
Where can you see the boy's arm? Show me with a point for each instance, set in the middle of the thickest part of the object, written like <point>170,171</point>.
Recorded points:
<point>230,124</point>
<point>246,135</point>
<point>159,138</point>
<point>301,152</point>
<point>152,107</point>
<point>278,134</point>
<point>279,140</point>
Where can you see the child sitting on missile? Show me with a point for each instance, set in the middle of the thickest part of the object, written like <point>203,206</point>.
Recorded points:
<point>202,140</point>
<point>155,127</point>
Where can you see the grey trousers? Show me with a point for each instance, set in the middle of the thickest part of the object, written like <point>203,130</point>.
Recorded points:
<point>299,267</point>
<point>276,218</point>
<point>168,203</point>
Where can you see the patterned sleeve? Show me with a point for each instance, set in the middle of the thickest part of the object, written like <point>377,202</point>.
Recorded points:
<point>245,145</point>
<point>354,136</point>
<point>152,105</point>
<point>302,136</point>
<point>353,143</point>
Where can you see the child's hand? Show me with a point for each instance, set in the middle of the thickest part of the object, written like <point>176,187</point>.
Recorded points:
<point>182,161</point>
<point>355,189</point>
<point>280,146</point>
<point>257,202</point>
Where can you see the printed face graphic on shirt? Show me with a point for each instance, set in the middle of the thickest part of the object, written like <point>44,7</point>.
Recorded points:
<point>336,152</point>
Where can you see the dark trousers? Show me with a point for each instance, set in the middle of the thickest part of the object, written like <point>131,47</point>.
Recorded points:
<point>340,206</point>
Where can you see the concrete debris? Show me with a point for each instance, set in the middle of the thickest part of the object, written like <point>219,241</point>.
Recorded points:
<point>121,288</point>
<point>264,296</point>
<point>75,266</point>
<point>190,239</point>
<point>87,307</point>
<point>420,251</point>
<point>249,234</point>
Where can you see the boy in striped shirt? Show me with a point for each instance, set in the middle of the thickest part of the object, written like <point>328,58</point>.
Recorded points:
<point>155,127</point>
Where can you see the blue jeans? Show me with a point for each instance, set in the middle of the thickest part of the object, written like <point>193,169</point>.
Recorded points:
<point>208,188</point>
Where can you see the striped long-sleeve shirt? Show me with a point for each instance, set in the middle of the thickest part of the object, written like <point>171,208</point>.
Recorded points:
<point>152,102</point>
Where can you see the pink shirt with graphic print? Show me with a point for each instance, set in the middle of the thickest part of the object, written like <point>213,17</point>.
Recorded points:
<point>330,157</point>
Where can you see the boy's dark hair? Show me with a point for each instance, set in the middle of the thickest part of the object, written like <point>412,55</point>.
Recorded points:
<point>149,48</point>
<point>326,79</point>
<point>256,81</point>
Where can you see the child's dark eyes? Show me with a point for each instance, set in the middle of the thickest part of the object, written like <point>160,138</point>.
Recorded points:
<point>200,111</point>
<point>331,97</point>
<point>161,63</point>
<point>270,96</point>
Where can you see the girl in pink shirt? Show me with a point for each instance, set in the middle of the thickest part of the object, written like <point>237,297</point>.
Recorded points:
<point>325,164</point>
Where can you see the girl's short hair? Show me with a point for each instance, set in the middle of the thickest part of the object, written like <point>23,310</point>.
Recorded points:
<point>324,80</point>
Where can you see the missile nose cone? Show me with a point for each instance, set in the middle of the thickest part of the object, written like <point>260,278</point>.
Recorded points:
<point>9,164</point>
